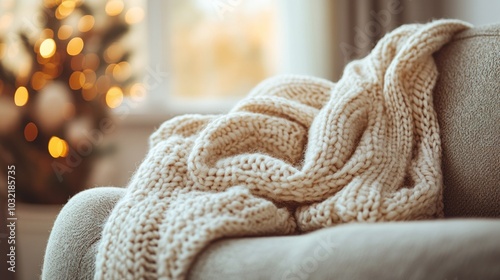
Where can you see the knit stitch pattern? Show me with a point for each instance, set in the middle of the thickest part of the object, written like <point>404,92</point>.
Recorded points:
<point>298,154</point>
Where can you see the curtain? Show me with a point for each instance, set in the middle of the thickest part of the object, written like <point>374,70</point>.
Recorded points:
<point>357,25</point>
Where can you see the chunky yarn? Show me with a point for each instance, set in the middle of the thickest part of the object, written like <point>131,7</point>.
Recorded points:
<point>298,154</point>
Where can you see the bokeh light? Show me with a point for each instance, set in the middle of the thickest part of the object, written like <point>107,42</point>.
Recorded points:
<point>114,97</point>
<point>52,70</point>
<point>114,7</point>
<point>86,23</point>
<point>58,147</point>
<point>89,94</point>
<point>113,53</point>
<point>90,78</point>
<point>30,132</point>
<point>65,32</point>
<point>122,71</point>
<point>76,80</point>
<point>134,15</point>
<point>21,96</point>
<point>38,80</point>
<point>65,9</point>
<point>75,46</point>
<point>47,48</point>
<point>47,33</point>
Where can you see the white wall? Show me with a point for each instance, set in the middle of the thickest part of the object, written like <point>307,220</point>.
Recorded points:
<point>477,12</point>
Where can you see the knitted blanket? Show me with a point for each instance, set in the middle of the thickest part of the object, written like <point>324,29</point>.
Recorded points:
<point>298,154</point>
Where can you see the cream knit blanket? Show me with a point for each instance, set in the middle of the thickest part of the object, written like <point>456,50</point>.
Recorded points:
<point>296,155</point>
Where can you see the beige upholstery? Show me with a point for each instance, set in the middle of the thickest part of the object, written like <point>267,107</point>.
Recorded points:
<point>467,103</point>
<point>467,100</point>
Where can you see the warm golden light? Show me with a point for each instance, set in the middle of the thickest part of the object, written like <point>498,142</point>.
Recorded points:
<point>65,9</point>
<point>64,32</point>
<point>30,132</point>
<point>38,80</point>
<point>21,96</point>
<point>114,7</point>
<point>75,46</point>
<point>52,70</point>
<point>76,80</point>
<point>57,147</point>
<point>90,78</point>
<point>89,94</point>
<point>109,69</point>
<point>122,71</point>
<point>113,53</point>
<point>47,33</point>
<point>86,23</point>
<point>47,48</point>
<point>114,97</point>
<point>134,15</point>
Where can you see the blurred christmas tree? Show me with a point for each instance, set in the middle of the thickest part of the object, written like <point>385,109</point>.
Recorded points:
<point>55,108</point>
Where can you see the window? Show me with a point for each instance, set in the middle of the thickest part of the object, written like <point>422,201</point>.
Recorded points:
<point>210,53</point>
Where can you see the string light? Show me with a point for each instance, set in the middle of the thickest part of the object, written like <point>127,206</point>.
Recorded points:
<point>47,33</point>
<point>65,9</point>
<point>65,32</point>
<point>76,80</point>
<point>114,7</point>
<point>109,69</point>
<point>86,23</point>
<point>38,80</point>
<point>30,132</point>
<point>52,70</point>
<point>90,78</point>
<point>47,48</point>
<point>21,96</point>
<point>114,97</point>
<point>57,147</point>
<point>122,71</point>
<point>75,46</point>
<point>113,53</point>
<point>89,94</point>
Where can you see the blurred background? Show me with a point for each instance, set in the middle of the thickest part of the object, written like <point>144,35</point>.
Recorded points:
<point>83,83</point>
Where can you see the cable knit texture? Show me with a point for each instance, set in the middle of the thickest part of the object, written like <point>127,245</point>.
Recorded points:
<point>298,154</point>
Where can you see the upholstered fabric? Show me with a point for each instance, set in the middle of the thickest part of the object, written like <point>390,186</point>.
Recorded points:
<point>467,99</point>
<point>441,249</point>
<point>71,247</point>
<point>456,249</point>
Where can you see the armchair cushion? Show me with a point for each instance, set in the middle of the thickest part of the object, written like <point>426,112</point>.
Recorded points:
<point>467,101</point>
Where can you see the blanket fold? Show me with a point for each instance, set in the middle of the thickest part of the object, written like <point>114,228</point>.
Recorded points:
<point>298,154</point>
